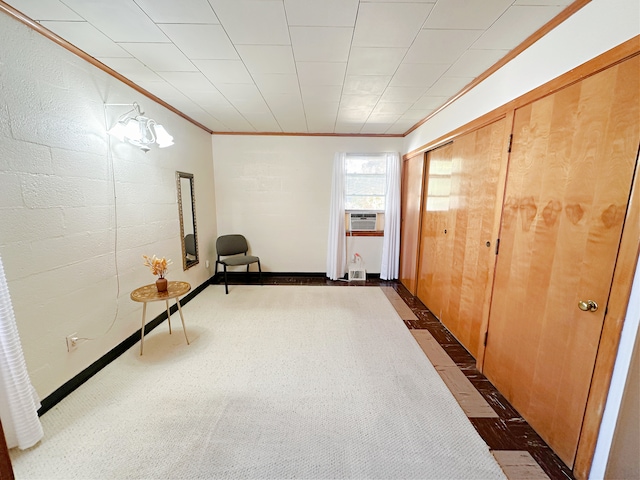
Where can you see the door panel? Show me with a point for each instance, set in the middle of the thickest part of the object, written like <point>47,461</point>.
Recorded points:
<point>412,175</point>
<point>570,173</point>
<point>476,167</point>
<point>435,250</point>
<point>458,220</point>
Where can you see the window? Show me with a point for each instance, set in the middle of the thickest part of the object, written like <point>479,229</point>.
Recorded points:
<point>365,182</point>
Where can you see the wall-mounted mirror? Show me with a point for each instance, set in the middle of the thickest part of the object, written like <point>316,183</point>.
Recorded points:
<point>187,208</point>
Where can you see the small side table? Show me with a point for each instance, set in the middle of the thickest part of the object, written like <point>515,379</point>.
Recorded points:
<point>149,293</point>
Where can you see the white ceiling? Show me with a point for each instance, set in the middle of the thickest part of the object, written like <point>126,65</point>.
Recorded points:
<point>297,66</point>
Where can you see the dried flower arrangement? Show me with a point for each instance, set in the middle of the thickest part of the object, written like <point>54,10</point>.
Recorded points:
<point>158,266</point>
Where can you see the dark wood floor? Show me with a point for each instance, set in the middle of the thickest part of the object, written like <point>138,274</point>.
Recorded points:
<point>507,432</point>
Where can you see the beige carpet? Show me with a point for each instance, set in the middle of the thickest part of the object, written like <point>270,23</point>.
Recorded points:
<point>278,382</point>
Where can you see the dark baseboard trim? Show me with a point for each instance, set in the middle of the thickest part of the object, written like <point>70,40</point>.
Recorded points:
<point>218,278</point>
<point>54,398</point>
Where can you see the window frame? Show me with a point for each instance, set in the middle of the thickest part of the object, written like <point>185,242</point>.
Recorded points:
<point>378,211</point>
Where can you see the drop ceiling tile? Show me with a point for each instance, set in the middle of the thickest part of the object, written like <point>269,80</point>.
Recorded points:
<point>400,127</point>
<point>208,99</point>
<point>321,44</point>
<point>250,108</point>
<point>215,125</point>
<point>358,101</point>
<point>348,127</point>
<point>418,74</point>
<point>224,71</point>
<point>120,20</point>
<point>389,25</point>
<point>515,26</point>
<point>267,58</point>
<point>466,14</point>
<point>402,94</point>
<point>427,102</point>
<point>475,62</point>
<point>264,122</point>
<point>284,102</point>
<point>379,125</point>
<point>238,124</point>
<point>393,108</point>
<point>382,88</point>
<point>321,73</point>
<point>448,86</point>
<point>318,109</point>
<point>240,92</point>
<point>230,117</point>
<point>398,1</point>
<point>324,93</point>
<point>201,41</point>
<point>277,84</point>
<point>251,22</point>
<point>354,115</point>
<point>132,68</point>
<point>413,115</point>
<point>291,124</point>
<point>87,38</point>
<point>160,56</point>
<point>189,81</point>
<point>327,13</point>
<point>365,84</point>
<point>563,3</point>
<point>187,11</point>
<point>441,46</point>
<point>386,118</point>
<point>374,61</point>
<point>50,10</point>
<point>321,125</point>
<point>165,91</point>
<point>288,112</point>
<point>205,118</point>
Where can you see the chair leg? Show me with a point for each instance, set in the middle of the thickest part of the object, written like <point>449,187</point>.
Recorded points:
<point>260,273</point>
<point>226,287</point>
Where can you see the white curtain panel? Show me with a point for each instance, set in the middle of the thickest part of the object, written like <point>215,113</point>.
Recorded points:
<point>19,402</point>
<point>336,248</point>
<point>389,269</point>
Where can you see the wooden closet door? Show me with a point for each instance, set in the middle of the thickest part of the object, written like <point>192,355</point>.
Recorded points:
<point>477,157</point>
<point>570,173</point>
<point>435,249</point>
<point>412,175</point>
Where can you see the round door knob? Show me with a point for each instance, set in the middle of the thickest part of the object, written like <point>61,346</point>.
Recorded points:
<point>587,306</point>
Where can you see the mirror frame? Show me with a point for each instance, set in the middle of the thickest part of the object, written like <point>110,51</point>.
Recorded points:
<point>186,265</point>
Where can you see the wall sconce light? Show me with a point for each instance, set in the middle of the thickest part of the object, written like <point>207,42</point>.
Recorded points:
<point>141,131</point>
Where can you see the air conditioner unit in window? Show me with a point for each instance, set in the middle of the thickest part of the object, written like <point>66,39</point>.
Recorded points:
<point>359,222</point>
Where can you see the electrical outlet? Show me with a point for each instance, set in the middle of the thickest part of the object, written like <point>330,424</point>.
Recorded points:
<point>72,342</point>
<point>206,263</point>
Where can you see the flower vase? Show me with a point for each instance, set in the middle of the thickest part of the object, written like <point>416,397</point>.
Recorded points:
<point>161,285</point>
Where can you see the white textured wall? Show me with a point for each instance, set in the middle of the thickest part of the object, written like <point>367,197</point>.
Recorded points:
<point>275,190</point>
<point>57,216</point>
<point>597,27</point>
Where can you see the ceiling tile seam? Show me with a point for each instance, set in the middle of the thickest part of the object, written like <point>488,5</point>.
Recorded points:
<point>493,23</point>
<point>401,61</point>
<point>249,71</point>
<point>195,66</point>
<point>295,66</point>
<point>344,78</point>
<point>245,66</point>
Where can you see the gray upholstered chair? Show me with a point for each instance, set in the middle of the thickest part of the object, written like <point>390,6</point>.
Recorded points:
<point>190,244</point>
<point>235,248</point>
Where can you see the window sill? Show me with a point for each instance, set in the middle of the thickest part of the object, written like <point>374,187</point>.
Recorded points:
<point>377,233</point>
